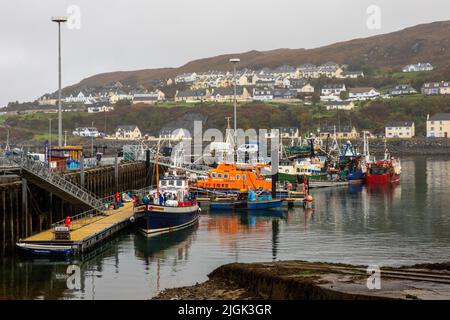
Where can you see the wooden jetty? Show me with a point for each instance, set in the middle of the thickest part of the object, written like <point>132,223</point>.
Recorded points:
<point>85,233</point>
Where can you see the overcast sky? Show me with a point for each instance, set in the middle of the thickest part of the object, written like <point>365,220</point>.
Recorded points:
<point>135,34</point>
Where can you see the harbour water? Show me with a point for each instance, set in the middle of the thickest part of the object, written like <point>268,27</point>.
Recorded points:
<point>396,225</point>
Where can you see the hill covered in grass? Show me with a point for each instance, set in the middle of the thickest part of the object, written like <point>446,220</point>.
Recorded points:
<point>385,53</point>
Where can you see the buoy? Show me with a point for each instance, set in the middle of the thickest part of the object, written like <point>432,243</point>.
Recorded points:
<point>132,219</point>
<point>309,198</point>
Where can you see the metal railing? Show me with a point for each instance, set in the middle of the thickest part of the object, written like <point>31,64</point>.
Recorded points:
<point>41,170</point>
<point>87,215</point>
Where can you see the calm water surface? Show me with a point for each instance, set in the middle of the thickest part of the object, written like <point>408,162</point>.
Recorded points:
<point>395,225</point>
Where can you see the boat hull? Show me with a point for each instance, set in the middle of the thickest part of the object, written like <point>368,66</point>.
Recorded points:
<point>293,178</point>
<point>160,219</point>
<point>355,176</point>
<point>384,178</point>
<point>45,250</point>
<point>223,205</point>
<point>261,205</point>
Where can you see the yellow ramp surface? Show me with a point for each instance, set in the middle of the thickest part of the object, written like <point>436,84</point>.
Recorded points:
<point>86,227</point>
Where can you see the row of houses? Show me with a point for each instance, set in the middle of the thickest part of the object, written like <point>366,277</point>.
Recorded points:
<point>245,77</point>
<point>106,97</point>
<point>436,88</point>
<point>437,126</point>
<point>242,94</point>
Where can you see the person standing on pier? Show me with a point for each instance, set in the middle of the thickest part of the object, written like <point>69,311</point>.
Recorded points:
<point>67,222</point>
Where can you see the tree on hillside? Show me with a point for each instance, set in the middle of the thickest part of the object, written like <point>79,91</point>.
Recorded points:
<point>343,95</point>
<point>316,97</point>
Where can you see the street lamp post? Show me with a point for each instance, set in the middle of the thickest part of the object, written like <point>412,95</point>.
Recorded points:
<point>59,20</point>
<point>50,133</point>
<point>234,61</point>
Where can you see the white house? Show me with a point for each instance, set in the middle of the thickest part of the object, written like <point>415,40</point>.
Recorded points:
<point>301,85</point>
<point>363,93</point>
<point>80,98</point>
<point>340,105</point>
<point>262,94</point>
<point>86,132</point>
<point>400,129</point>
<point>186,78</point>
<point>402,89</point>
<point>284,133</point>
<point>352,74</point>
<point>418,67</point>
<point>333,89</point>
<point>149,98</point>
<point>174,134</point>
<point>96,109</point>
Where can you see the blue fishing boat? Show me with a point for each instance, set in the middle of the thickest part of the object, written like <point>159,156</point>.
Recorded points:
<point>351,165</point>
<point>223,204</point>
<point>159,219</point>
<point>168,208</point>
<point>259,202</point>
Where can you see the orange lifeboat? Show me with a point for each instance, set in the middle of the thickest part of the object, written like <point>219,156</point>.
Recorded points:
<point>233,178</point>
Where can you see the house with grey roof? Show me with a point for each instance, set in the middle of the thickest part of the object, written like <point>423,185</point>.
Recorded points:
<point>192,96</point>
<point>284,94</point>
<point>400,129</point>
<point>263,94</point>
<point>436,88</point>
<point>438,125</point>
<point>363,93</point>
<point>402,89</point>
<point>227,94</point>
<point>418,67</point>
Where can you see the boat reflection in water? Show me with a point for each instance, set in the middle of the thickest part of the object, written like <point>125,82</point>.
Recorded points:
<point>173,244</point>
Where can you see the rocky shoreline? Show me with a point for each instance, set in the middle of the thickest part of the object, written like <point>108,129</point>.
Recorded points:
<point>300,280</point>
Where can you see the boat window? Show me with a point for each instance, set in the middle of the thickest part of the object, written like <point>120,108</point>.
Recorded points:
<point>171,183</point>
<point>213,174</point>
<point>225,175</point>
<point>298,170</point>
<point>179,183</point>
<point>164,183</point>
<point>243,177</point>
<point>219,176</point>
<point>238,177</point>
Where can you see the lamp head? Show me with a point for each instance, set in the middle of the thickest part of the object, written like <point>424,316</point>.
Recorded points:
<point>235,60</point>
<point>59,19</point>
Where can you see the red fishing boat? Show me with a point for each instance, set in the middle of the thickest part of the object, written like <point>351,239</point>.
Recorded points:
<point>383,171</point>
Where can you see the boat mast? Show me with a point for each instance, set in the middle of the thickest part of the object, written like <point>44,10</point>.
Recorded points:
<point>157,169</point>
<point>386,152</point>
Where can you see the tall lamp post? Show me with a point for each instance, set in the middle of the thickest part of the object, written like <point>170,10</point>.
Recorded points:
<point>234,61</point>
<point>59,20</point>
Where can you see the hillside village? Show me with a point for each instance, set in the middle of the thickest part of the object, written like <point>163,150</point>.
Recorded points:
<point>284,84</point>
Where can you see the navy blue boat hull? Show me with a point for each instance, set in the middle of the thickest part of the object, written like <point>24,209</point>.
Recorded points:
<point>356,175</point>
<point>160,219</point>
<point>261,205</point>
